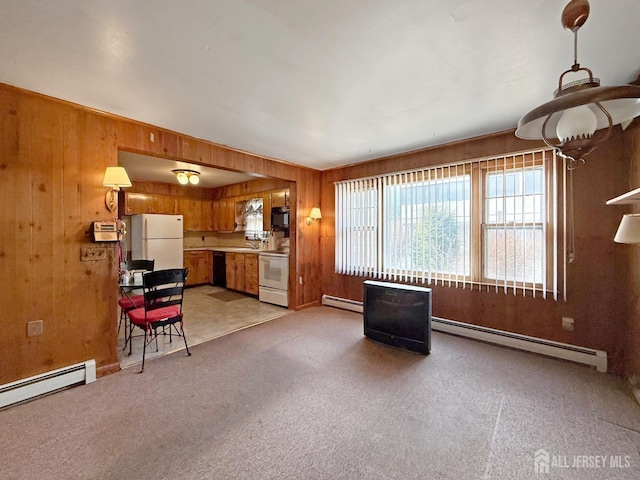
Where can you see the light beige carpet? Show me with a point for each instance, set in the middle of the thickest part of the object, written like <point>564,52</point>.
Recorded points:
<point>307,396</point>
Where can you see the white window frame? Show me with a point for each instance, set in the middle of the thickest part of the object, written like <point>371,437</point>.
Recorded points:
<point>350,203</point>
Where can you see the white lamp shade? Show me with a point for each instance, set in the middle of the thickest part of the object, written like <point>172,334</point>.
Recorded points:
<point>629,229</point>
<point>182,178</point>
<point>622,103</point>
<point>576,122</point>
<point>116,177</point>
<point>315,213</point>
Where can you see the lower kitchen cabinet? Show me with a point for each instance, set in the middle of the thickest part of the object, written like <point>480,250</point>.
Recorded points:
<point>235,271</point>
<point>200,265</point>
<point>242,272</point>
<point>251,273</point>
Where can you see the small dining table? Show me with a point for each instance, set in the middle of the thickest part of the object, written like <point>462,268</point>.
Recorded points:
<point>129,284</point>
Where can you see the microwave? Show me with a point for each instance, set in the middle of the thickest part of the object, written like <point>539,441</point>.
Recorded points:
<point>280,219</point>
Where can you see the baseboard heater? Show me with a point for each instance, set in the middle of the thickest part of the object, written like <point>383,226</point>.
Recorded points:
<point>49,382</point>
<point>565,351</point>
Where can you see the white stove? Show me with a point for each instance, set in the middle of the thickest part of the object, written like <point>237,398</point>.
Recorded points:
<point>274,278</point>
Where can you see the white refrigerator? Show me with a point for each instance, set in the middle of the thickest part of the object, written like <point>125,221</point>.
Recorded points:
<point>159,238</point>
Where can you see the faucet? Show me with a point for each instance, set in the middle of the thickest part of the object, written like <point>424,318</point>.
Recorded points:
<point>253,245</point>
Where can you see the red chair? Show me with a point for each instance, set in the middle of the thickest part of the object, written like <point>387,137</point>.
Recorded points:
<point>129,301</point>
<point>163,294</point>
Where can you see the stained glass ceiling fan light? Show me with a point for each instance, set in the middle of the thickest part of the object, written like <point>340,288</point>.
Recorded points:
<point>582,113</point>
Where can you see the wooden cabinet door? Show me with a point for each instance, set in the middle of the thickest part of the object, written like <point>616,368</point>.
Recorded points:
<point>136,203</point>
<point>215,215</point>
<point>190,261</point>
<point>164,204</point>
<point>227,215</point>
<point>190,208</point>
<point>206,216</point>
<point>251,273</point>
<point>239,267</point>
<point>266,212</point>
<point>230,266</point>
<point>235,271</point>
<point>199,263</point>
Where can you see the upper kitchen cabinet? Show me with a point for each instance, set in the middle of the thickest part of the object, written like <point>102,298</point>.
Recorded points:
<point>223,215</point>
<point>165,204</point>
<point>197,213</point>
<point>135,203</point>
<point>280,198</point>
<point>266,212</point>
<point>206,215</point>
<point>190,209</point>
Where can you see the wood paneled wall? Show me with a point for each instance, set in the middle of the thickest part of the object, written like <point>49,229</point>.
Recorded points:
<point>597,298</point>
<point>631,269</point>
<point>249,188</point>
<point>52,159</point>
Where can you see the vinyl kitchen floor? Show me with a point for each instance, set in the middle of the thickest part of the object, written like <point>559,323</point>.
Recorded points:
<point>205,318</point>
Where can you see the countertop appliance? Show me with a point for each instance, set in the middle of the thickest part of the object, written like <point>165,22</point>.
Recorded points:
<point>280,220</point>
<point>273,275</point>
<point>157,237</point>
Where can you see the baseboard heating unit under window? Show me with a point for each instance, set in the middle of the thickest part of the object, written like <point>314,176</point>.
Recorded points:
<point>49,382</point>
<point>587,356</point>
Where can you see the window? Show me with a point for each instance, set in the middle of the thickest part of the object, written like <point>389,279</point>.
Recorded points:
<point>486,223</point>
<point>253,212</point>
<point>427,224</point>
<point>514,216</point>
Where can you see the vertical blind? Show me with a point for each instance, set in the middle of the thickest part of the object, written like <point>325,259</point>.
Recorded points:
<point>488,223</point>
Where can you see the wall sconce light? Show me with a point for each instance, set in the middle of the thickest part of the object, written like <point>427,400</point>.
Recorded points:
<point>582,107</point>
<point>115,178</point>
<point>314,215</point>
<point>187,176</point>
<point>629,229</point>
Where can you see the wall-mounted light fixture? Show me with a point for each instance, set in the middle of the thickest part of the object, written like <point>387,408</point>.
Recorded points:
<point>115,178</point>
<point>314,215</point>
<point>187,176</point>
<point>581,108</point>
<point>629,229</point>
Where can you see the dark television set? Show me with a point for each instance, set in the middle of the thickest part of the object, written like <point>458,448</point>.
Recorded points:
<point>398,315</point>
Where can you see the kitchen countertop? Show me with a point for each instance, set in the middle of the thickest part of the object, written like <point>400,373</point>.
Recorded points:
<point>236,250</point>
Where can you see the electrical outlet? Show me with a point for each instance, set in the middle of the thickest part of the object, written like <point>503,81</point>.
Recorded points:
<point>34,328</point>
<point>90,254</point>
<point>567,324</point>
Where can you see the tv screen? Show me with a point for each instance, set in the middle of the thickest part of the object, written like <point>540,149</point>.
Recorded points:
<point>398,315</point>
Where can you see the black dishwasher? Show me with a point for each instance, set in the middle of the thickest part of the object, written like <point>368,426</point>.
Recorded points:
<point>219,269</point>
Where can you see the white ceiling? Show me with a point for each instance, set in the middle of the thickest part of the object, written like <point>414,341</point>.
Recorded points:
<point>316,83</point>
<point>155,169</point>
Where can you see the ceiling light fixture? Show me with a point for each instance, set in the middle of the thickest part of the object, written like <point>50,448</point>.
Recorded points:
<point>187,176</point>
<point>582,108</point>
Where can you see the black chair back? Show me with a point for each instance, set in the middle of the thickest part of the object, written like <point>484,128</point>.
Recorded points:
<point>140,265</point>
<point>164,288</point>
